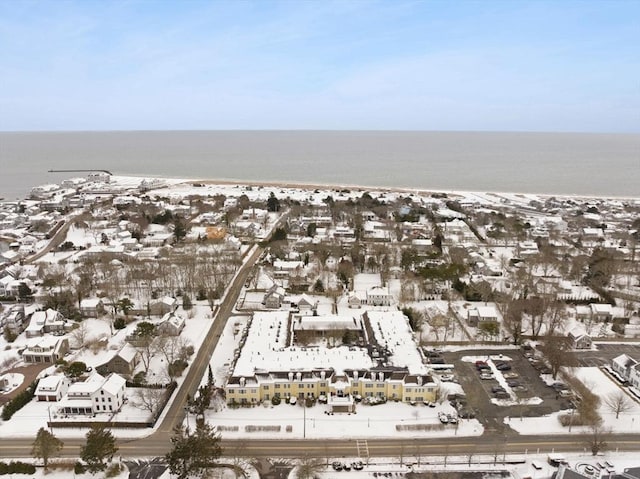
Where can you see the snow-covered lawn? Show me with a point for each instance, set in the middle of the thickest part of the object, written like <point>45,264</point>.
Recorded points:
<point>384,420</point>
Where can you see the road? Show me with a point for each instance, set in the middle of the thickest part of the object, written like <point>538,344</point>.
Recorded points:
<point>156,445</point>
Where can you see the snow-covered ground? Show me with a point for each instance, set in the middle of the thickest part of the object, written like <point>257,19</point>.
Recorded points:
<point>383,420</point>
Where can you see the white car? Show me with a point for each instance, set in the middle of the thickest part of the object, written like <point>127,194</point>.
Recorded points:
<point>447,378</point>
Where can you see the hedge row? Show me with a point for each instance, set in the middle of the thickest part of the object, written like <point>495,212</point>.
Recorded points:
<point>17,468</point>
<point>19,401</point>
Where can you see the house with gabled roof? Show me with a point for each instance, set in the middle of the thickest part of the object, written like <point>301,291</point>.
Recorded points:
<point>52,388</point>
<point>96,394</point>
<point>579,339</point>
<point>171,325</point>
<point>45,322</point>
<point>47,349</point>
<point>123,362</point>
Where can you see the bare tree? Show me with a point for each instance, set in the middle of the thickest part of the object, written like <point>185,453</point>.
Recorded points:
<point>79,335</point>
<point>149,399</point>
<point>557,351</point>
<point>618,402</point>
<point>597,438</point>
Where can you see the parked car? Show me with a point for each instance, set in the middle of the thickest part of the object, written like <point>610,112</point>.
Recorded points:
<point>482,365</point>
<point>502,395</point>
<point>466,414</point>
<point>486,376</point>
<point>443,418</point>
<point>510,375</point>
<point>503,366</point>
<point>337,466</point>
<point>447,378</point>
<point>512,383</point>
<point>496,389</point>
<point>357,466</point>
<point>436,360</point>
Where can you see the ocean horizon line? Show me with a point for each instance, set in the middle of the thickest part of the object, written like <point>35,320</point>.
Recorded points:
<point>321,130</point>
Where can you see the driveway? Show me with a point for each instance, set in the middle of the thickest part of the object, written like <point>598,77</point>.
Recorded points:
<point>30,373</point>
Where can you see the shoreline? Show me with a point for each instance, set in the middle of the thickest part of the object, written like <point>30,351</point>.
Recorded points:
<point>394,189</point>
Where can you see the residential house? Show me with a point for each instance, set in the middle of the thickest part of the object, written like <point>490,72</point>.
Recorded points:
<point>92,307</point>
<point>45,322</point>
<point>579,339</point>
<point>306,304</point>
<point>601,312</point>
<point>171,325</point>
<point>123,362</point>
<point>274,297</point>
<point>47,349</point>
<point>626,367</point>
<point>482,315</point>
<point>162,306</point>
<point>96,394</point>
<point>52,388</point>
<point>14,321</point>
<point>378,296</point>
<point>355,300</point>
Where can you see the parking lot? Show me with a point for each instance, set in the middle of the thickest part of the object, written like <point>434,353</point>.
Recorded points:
<point>605,353</point>
<point>479,391</point>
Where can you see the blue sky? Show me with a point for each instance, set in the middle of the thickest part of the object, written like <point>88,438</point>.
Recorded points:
<point>390,65</point>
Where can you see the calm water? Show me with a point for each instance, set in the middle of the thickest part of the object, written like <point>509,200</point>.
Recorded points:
<point>553,163</point>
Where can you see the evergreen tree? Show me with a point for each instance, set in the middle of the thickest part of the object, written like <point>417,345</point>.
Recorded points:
<point>100,448</point>
<point>187,304</point>
<point>193,453</point>
<point>273,203</point>
<point>46,446</point>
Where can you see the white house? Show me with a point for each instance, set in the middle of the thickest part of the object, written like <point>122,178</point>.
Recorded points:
<point>45,322</point>
<point>52,388</point>
<point>624,365</point>
<point>95,395</point>
<point>379,296</point>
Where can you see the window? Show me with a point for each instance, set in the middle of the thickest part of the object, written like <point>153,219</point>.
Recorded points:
<point>368,386</point>
<point>323,385</point>
<point>277,386</point>
<point>265,388</point>
<point>109,399</point>
<point>110,408</point>
<point>242,391</point>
